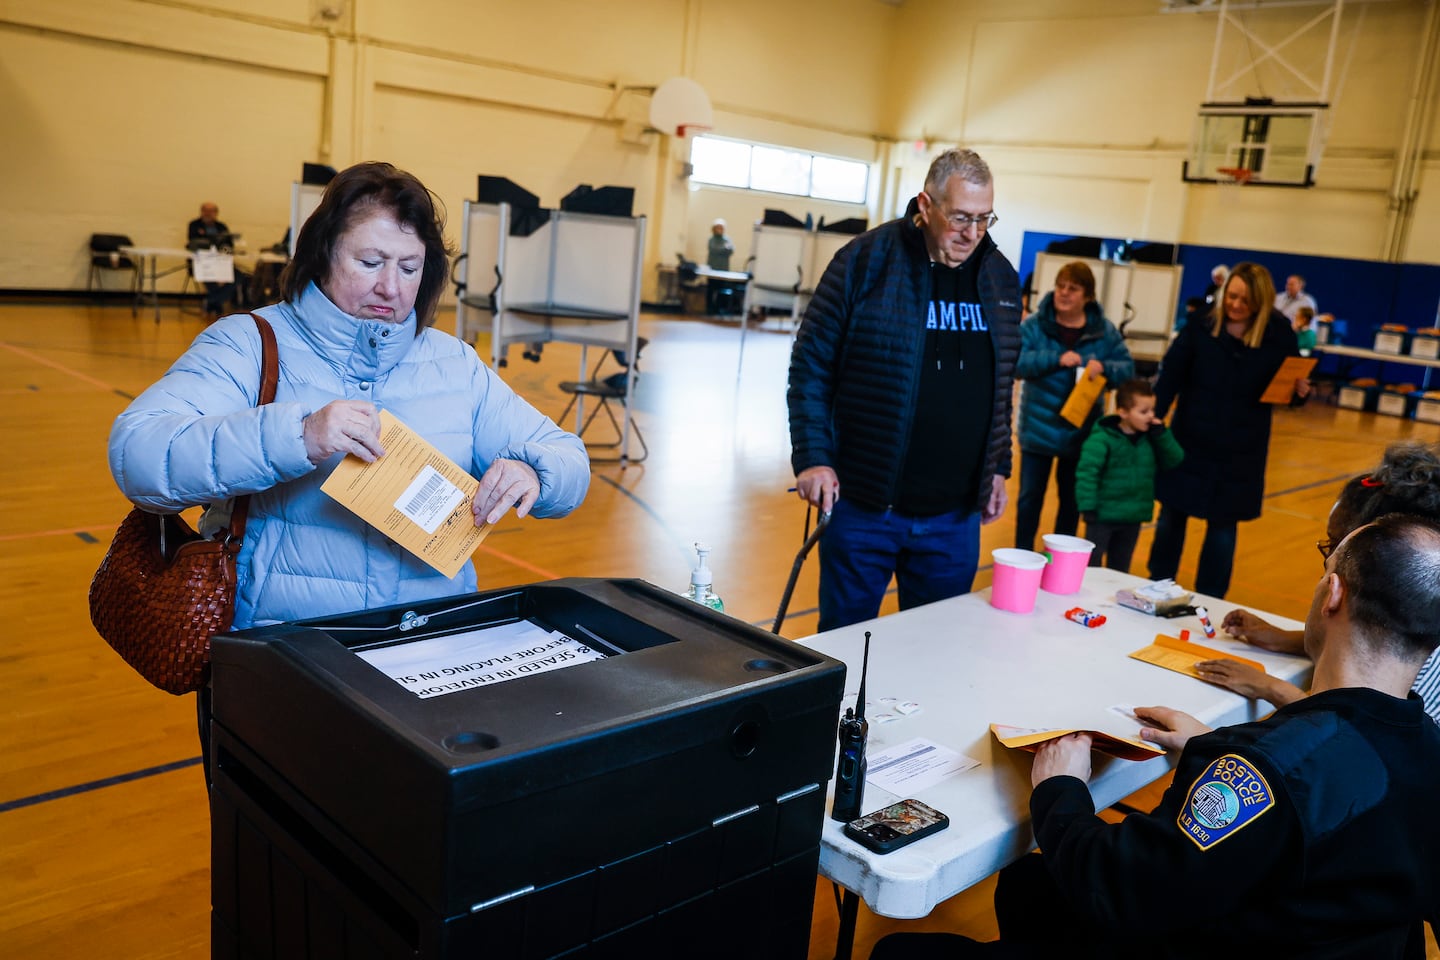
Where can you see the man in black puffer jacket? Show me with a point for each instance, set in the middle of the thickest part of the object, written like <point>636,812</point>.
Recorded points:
<point>900,397</point>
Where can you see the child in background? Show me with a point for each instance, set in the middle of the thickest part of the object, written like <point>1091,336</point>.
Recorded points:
<point>1115,480</point>
<point>1304,332</point>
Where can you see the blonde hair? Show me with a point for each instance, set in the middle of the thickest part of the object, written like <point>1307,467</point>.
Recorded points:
<point>1261,297</point>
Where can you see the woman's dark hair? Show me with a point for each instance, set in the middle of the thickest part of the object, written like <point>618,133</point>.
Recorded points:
<point>1406,481</point>
<point>355,193</point>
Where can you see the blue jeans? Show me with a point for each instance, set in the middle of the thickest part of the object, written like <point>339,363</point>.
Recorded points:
<point>931,558</point>
<point>1217,553</point>
<point>1034,478</point>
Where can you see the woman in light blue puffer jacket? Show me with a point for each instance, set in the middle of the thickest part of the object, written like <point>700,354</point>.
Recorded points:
<point>354,335</point>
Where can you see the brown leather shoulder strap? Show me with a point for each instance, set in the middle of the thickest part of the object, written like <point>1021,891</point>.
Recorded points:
<point>269,359</point>
<point>269,379</point>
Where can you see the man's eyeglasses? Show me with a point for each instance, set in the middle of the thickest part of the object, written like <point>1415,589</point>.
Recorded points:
<point>959,221</point>
<point>1326,547</point>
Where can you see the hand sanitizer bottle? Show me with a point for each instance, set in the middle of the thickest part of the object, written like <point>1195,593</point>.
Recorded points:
<point>700,582</point>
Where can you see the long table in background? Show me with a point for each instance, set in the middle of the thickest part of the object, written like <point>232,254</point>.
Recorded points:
<point>1359,353</point>
<point>967,665</point>
<point>150,273</point>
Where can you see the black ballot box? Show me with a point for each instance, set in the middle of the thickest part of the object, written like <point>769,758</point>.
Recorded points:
<point>577,768</point>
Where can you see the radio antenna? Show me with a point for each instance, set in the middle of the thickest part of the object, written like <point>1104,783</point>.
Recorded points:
<point>864,671</point>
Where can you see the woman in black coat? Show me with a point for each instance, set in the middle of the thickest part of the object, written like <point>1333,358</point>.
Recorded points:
<point>1218,368</point>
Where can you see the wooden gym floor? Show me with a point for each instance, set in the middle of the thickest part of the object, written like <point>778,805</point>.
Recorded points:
<point>104,848</point>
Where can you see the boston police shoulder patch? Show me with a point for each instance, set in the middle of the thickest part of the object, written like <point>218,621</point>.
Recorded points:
<point>1227,797</point>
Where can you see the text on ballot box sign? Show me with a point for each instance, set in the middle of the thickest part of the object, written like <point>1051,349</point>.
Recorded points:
<point>477,658</point>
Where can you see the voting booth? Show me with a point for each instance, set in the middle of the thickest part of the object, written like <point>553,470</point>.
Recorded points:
<point>578,768</point>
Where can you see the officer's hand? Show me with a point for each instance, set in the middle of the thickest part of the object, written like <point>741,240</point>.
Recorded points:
<point>818,485</point>
<point>1067,756</point>
<point>1172,729</point>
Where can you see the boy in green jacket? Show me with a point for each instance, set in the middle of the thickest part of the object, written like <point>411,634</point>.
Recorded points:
<point>1115,480</point>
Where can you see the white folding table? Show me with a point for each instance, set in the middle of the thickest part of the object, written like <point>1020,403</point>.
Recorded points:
<point>967,665</point>
<point>149,258</point>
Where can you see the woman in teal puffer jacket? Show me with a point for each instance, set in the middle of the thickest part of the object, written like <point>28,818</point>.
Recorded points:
<point>1068,333</point>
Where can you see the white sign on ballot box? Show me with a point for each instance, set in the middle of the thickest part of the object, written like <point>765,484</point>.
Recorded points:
<point>212,266</point>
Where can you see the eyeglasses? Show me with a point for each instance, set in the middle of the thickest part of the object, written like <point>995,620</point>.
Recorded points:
<point>1326,547</point>
<point>959,221</point>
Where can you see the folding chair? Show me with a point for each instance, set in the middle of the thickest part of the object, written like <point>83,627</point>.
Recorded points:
<point>612,387</point>
<point>105,255</point>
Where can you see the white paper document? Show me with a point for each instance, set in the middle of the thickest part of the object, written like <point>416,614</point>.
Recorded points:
<point>910,767</point>
<point>477,658</point>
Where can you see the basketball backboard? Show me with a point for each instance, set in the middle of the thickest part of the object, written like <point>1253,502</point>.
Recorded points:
<point>1263,144</point>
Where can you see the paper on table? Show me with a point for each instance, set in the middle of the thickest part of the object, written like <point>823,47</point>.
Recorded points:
<point>1179,655</point>
<point>1282,387</point>
<point>414,494</point>
<point>1082,399</point>
<point>914,765</point>
<point>1029,738</point>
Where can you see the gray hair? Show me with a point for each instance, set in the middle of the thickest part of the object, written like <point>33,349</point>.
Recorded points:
<point>965,164</point>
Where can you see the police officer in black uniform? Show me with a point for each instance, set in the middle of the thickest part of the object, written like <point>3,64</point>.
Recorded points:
<point>1313,833</point>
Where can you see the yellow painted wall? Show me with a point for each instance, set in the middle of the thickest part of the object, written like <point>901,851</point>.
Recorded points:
<point>123,115</point>
<point>135,111</point>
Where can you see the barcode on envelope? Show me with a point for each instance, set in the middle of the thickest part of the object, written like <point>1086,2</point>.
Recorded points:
<point>429,499</point>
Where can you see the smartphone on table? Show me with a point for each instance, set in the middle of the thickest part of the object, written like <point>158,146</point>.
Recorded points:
<point>892,827</point>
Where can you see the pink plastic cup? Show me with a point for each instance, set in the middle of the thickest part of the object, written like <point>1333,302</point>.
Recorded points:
<point>1017,579</point>
<point>1069,556</point>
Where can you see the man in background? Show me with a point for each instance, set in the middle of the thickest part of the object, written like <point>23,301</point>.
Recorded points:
<point>900,397</point>
<point>204,232</point>
<point>1294,297</point>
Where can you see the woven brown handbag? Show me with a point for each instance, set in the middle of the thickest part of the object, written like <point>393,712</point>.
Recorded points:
<point>163,590</point>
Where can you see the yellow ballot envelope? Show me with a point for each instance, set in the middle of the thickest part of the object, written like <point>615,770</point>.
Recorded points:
<point>1126,748</point>
<point>414,494</point>
<point>1180,655</point>
<point>1082,398</point>
<point>1282,385</point>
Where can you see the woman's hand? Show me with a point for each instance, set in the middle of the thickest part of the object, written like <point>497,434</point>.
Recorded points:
<point>1244,625</point>
<point>343,426</point>
<point>1067,756</point>
<point>1093,369</point>
<point>1302,388</point>
<point>1172,729</point>
<point>506,483</point>
<point>1247,681</point>
<point>1070,359</point>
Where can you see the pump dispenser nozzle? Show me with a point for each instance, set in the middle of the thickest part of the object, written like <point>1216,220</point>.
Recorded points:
<point>700,580</point>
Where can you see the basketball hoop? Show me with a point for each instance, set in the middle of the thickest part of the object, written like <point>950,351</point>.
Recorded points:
<point>681,107</point>
<point>1230,180</point>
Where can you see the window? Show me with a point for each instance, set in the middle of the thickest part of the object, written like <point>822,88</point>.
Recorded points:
<point>731,163</point>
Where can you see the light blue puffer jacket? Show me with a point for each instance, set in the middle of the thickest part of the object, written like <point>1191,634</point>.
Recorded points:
<point>196,437</point>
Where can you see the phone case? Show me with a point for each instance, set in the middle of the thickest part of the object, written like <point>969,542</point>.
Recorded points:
<point>892,827</point>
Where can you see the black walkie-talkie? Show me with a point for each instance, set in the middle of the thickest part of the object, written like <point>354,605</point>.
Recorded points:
<point>850,768</point>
